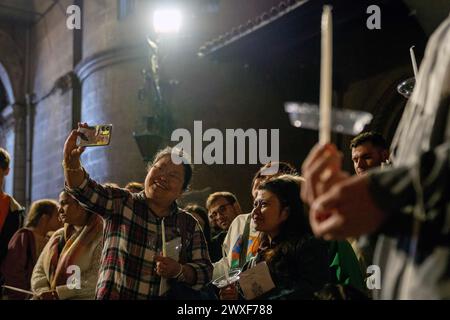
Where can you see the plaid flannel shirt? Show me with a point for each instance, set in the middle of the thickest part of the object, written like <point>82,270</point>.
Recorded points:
<point>132,237</point>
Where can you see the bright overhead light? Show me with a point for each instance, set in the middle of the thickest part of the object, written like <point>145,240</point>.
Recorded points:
<point>167,21</point>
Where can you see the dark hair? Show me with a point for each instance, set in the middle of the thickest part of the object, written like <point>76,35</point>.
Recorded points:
<point>294,230</point>
<point>38,209</point>
<point>231,198</point>
<point>194,208</point>
<point>370,136</point>
<point>287,190</point>
<point>283,168</point>
<point>4,159</point>
<point>188,167</point>
<point>88,212</point>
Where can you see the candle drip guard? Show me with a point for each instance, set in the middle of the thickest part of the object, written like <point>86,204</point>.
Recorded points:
<point>345,121</point>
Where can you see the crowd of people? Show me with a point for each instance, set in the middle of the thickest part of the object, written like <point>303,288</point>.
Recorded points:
<point>312,234</point>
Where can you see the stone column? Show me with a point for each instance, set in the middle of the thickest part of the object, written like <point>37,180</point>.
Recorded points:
<point>110,83</point>
<point>20,152</point>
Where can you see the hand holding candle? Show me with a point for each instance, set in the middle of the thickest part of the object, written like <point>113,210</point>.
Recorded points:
<point>326,67</point>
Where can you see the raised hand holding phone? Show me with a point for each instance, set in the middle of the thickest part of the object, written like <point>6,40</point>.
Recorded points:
<point>73,170</point>
<point>94,136</point>
<point>72,151</point>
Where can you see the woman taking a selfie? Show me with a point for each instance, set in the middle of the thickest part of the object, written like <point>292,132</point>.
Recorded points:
<point>136,264</point>
<point>68,266</point>
<point>297,262</point>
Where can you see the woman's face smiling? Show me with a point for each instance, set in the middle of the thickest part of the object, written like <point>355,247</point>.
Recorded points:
<point>164,181</point>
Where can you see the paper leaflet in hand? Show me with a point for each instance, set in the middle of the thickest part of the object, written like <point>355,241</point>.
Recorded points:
<point>173,248</point>
<point>256,281</point>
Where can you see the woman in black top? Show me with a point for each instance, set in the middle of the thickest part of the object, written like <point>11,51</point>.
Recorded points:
<point>298,262</point>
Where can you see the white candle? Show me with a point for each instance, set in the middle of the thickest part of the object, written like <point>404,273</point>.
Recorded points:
<point>163,234</point>
<point>413,61</point>
<point>18,290</point>
<point>326,69</point>
<point>224,255</point>
<point>227,278</point>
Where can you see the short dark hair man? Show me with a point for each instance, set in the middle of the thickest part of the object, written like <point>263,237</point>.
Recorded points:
<point>369,150</point>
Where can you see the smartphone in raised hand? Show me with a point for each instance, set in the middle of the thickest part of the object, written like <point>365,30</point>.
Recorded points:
<point>95,136</point>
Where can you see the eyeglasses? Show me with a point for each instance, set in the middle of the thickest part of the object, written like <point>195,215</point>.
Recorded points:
<point>220,210</point>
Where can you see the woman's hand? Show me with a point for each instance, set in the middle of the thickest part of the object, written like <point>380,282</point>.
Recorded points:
<point>167,267</point>
<point>72,152</point>
<point>229,293</point>
<point>73,172</point>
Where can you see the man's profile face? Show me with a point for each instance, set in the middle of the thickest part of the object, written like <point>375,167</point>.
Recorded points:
<point>367,156</point>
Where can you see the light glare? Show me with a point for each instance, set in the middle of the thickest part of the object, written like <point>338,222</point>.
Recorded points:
<point>167,21</point>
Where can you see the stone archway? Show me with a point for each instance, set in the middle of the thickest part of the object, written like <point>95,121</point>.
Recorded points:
<point>11,68</point>
<point>6,82</point>
<point>7,132</point>
<point>13,125</point>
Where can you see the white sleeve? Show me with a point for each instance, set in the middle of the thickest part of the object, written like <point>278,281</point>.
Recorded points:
<point>88,281</point>
<point>39,280</point>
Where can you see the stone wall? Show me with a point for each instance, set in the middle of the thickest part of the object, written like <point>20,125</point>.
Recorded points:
<point>12,134</point>
<point>110,95</point>
<point>223,95</point>
<point>51,58</point>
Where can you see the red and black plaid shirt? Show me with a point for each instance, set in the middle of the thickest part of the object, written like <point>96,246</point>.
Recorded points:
<point>132,237</point>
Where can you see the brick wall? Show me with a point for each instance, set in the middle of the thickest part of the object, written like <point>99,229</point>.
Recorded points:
<point>110,95</point>
<point>52,125</point>
<point>102,30</point>
<point>51,52</point>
